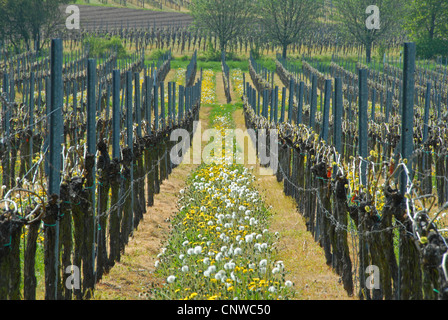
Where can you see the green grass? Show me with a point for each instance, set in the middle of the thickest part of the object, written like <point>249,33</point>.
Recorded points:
<point>267,62</point>
<point>216,66</point>
<point>39,269</point>
<point>183,61</point>
<point>221,110</point>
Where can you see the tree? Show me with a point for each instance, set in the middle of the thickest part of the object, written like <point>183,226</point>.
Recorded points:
<point>26,20</point>
<point>353,19</point>
<point>285,20</point>
<point>427,24</point>
<point>224,19</point>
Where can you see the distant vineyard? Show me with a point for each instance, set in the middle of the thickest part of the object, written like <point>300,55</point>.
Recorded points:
<point>364,184</point>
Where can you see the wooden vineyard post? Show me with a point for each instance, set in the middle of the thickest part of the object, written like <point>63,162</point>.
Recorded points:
<point>300,103</point>
<point>75,107</point>
<point>180,112</point>
<point>322,221</point>
<point>162,104</point>
<point>6,178</point>
<point>31,121</point>
<point>156,166</point>
<point>148,100</point>
<point>338,111</point>
<point>254,100</point>
<point>114,220</point>
<point>275,109</point>
<point>272,102</point>
<point>138,110</point>
<point>326,111</point>
<point>313,106</point>
<point>170,101</point>
<point>156,103</point>
<point>407,129</point>
<point>90,216</point>
<point>138,188</point>
<point>386,146</point>
<point>51,221</point>
<point>174,109</point>
<point>291,100</point>
<point>410,275</point>
<point>363,152</point>
<point>362,123</point>
<point>128,213</point>
<point>148,151</point>
<point>283,107</point>
<point>162,146</point>
<point>341,255</point>
<point>426,178</point>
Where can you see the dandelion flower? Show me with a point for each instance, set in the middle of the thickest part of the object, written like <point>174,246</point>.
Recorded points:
<point>197,249</point>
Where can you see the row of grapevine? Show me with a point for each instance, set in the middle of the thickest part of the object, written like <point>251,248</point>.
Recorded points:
<point>363,185</point>
<point>94,155</point>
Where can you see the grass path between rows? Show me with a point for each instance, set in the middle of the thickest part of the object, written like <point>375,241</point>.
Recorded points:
<point>133,277</point>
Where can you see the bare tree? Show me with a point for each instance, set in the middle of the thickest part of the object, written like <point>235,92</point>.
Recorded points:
<point>284,21</point>
<point>24,21</point>
<point>224,19</point>
<point>352,16</point>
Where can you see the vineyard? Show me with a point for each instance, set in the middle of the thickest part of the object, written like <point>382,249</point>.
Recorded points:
<point>368,177</point>
<point>90,136</point>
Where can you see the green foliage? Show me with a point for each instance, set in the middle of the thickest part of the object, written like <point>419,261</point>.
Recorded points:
<point>427,19</point>
<point>23,22</point>
<point>427,25</point>
<point>212,54</point>
<point>98,46</point>
<point>382,49</point>
<point>351,18</point>
<point>156,54</point>
<point>256,52</point>
<point>287,19</point>
<point>431,48</point>
<point>185,57</point>
<point>225,19</point>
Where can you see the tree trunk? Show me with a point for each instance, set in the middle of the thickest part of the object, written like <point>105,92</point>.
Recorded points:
<point>368,51</point>
<point>285,48</point>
